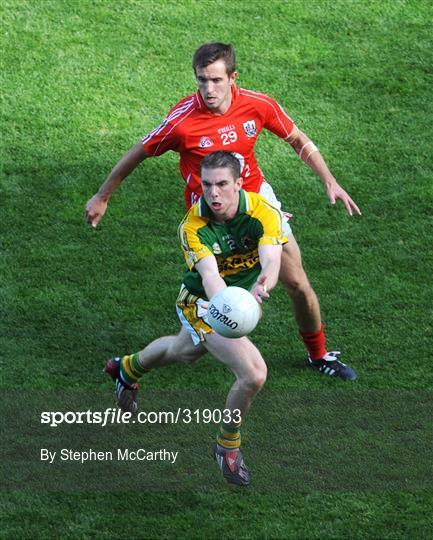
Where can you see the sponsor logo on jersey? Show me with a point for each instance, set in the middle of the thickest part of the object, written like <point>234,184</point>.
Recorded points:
<point>205,142</point>
<point>216,248</point>
<point>225,129</point>
<point>250,128</point>
<point>236,263</point>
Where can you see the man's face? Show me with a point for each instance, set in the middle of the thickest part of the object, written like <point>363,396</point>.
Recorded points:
<point>215,86</point>
<point>221,192</point>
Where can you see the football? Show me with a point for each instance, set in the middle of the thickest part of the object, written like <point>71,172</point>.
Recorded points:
<point>233,312</point>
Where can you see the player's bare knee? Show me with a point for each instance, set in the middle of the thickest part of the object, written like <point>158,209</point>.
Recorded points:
<point>255,380</point>
<point>260,378</point>
<point>178,352</point>
<point>187,357</point>
<point>296,283</point>
<point>188,354</point>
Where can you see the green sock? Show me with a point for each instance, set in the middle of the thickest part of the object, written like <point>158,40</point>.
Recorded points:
<point>130,369</point>
<point>229,436</point>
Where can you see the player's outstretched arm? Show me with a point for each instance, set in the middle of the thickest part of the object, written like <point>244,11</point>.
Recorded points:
<point>212,281</point>
<point>310,154</point>
<point>270,261</point>
<point>97,205</point>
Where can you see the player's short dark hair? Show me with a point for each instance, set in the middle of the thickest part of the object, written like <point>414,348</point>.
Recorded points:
<point>211,52</point>
<point>221,159</point>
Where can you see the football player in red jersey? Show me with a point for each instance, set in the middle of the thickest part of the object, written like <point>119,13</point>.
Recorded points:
<point>223,116</point>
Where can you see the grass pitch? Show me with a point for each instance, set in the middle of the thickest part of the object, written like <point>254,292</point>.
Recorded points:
<point>82,81</point>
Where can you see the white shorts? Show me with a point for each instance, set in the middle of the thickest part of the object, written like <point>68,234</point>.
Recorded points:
<point>267,192</point>
<point>192,313</point>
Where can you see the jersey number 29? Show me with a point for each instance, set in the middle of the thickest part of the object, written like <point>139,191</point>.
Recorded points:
<point>229,137</point>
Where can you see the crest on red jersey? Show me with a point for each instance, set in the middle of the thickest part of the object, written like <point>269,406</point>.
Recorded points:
<point>250,128</point>
<point>205,142</point>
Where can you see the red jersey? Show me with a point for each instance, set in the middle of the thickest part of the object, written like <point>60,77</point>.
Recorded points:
<point>191,129</point>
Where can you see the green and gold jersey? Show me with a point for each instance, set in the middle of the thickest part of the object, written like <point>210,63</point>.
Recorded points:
<point>234,243</point>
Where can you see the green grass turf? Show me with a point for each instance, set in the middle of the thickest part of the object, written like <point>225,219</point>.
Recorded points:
<point>81,82</point>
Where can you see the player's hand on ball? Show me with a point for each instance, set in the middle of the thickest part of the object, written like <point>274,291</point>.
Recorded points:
<point>233,312</point>
<point>260,290</point>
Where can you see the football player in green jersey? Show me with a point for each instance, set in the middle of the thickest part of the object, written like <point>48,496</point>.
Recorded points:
<point>229,237</point>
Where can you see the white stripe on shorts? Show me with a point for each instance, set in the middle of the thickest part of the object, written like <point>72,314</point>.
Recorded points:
<point>267,192</point>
